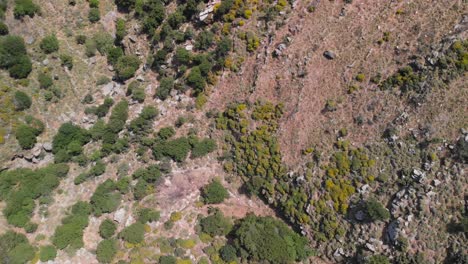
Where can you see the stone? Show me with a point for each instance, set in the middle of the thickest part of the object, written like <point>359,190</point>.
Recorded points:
<point>119,215</point>
<point>30,40</point>
<point>47,146</point>
<point>330,55</point>
<point>140,78</point>
<point>189,47</point>
<point>436,182</point>
<point>392,231</point>
<point>45,62</point>
<point>370,247</point>
<point>37,150</point>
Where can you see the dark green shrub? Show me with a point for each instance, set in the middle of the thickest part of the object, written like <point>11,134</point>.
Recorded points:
<point>120,30</point>
<point>104,42</point>
<point>67,61</point>
<point>93,3</point>
<point>268,239</point>
<point>202,147</point>
<point>107,228</point>
<point>167,260</point>
<point>176,149</point>
<point>80,39</point>
<point>3,29</point>
<point>26,136</point>
<point>45,80</point>
<point>377,259</point>
<point>22,101</point>
<point>166,133</point>
<point>22,253</point>
<point>228,253</point>
<point>127,66</point>
<point>196,80</point>
<point>106,250</point>
<point>114,54</point>
<point>105,199</point>
<point>214,193</point>
<point>125,5</point>
<point>49,44</point>
<point>376,211</point>
<point>204,40</point>
<point>70,233</point>
<point>21,68</point>
<point>146,215</point>
<point>47,253</point>
<point>165,87</point>
<point>134,233</point>
<point>25,8</point>
<point>94,15</point>
<point>118,117</point>
<point>216,224</point>
<point>140,190</point>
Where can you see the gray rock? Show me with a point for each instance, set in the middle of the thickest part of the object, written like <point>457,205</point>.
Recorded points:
<point>370,247</point>
<point>140,78</point>
<point>119,215</point>
<point>359,215</point>
<point>45,62</point>
<point>47,146</point>
<point>330,55</point>
<point>30,40</point>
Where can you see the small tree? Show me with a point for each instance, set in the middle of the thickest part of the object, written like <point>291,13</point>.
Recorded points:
<point>25,8</point>
<point>49,44</point>
<point>214,193</point>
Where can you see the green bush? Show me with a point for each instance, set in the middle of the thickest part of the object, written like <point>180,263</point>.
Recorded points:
<point>106,250</point>
<point>204,40</point>
<point>268,239</point>
<point>167,260</point>
<point>93,3</point>
<point>120,30</point>
<point>107,228</point>
<point>70,233</point>
<point>69,134</point>
<point>80,39</point>
<point>26,136</point>
<point>45,80</point>
<point>66,61</point>
<point>105,199</point>
<point>133,233</point>
<point>142,124</point>
<point>49,44</point>
<point>127,66</point>
<point>21,68</point>
<point>140,190</point>
<point>376,211</point>
<point>150,174</point>
<point>377,259</point>
<point>166,132</point>
<point>47,253</point>
<point>94,15</point>
<point>25,8</point>
<point>176,149</point>
<point>228,253</point>
<point>22,101</point>
<point>214,193</point>
<point>10,243</point>
<point>114,54</point>
<point>216,224</point>
<point>125,5</point>
<point>202,147</point>
<point>22,253</point>
<point>182,56</point>
<point>196,80</point>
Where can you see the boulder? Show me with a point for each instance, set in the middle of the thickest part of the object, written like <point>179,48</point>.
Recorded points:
<point>330,55</point>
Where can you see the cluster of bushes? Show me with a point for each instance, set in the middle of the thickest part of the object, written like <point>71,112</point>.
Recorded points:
<point>136,92</point>
<point>146,177</point>
<point>26,133</point>
<point>15,248</point>
<point>106,198</point>
<point>266,239</point>
<point>69,142</point>
<point>102,109</point>
<point>70,233</point>
<point>179,148</point>
<point>14,57</point>
<point>19,188</point>
<point>107,248</point>
<point>376,211</point>
<point>94,14</point>
<point>142,125</point>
